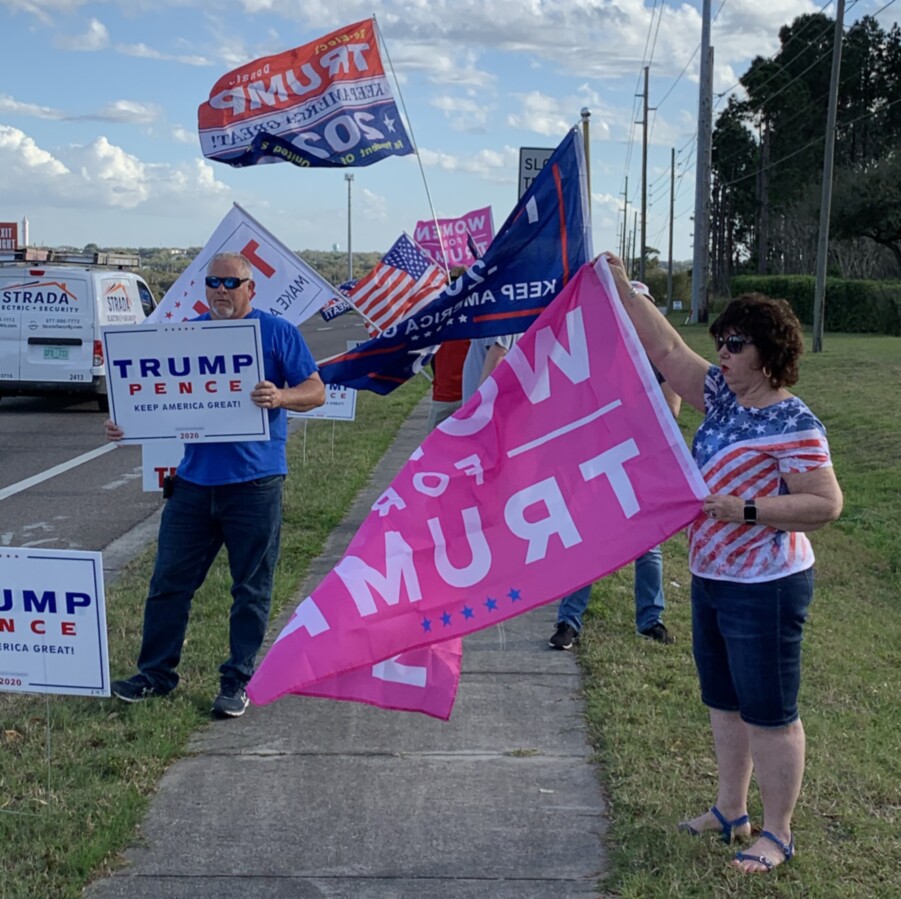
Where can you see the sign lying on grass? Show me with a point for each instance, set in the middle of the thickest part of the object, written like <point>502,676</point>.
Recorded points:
<point>52,622</point>
<point>191,381</point>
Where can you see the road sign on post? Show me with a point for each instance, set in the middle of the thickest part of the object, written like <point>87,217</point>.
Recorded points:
<point>531,162</point>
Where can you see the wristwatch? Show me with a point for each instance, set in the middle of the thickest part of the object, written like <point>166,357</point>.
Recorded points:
<point>750,511</point>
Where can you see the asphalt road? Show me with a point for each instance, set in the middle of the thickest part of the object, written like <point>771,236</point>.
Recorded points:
<point>93,501</point>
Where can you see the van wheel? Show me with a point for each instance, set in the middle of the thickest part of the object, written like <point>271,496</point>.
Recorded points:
<point>103,403</point>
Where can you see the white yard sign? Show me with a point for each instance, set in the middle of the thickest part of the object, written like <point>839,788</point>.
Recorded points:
<point>189,381</point>
<point>340,405</point>
<point>52,622</point>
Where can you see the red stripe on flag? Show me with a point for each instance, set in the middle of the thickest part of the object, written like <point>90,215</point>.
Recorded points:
<point>562,211</point>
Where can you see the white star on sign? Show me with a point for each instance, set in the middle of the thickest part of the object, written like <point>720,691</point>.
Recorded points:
<point>389,123</point>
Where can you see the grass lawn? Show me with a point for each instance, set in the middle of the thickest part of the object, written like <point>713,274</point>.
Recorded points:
<point>104,765</point>
<point>648,726</point>
<point>646,722</point>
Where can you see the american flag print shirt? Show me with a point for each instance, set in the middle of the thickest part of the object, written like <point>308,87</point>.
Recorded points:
<point>744,452</point>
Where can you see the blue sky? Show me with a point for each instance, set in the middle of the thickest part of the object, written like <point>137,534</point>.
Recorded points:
<point>98,110</point>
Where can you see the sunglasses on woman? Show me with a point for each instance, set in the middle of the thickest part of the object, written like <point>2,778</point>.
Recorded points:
<point>229,283</point>
<point>734,343</point>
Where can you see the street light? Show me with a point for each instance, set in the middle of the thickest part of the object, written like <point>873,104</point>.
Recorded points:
<point>348,177</point>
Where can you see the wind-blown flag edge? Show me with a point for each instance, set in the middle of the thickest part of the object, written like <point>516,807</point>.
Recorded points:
<point>693,485</point>
<point>346,368</point>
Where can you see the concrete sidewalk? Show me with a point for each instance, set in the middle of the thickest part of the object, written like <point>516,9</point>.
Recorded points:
<point>315,798</point>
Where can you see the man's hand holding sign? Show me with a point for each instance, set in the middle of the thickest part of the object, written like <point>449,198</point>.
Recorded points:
<point>228,488</point>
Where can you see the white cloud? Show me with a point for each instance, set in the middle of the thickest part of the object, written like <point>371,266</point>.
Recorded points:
<point>44,10</point>
<point>375,206</point>
<point>142,51</point>
<point>541,114</point>
<point>13,107</point>
<point>102,176</point>
<point>25,162</point>
<point>127,111</point>
<point>463,113</point>
<point>120,111</point>
<point>498,167</point>
<point>184,135</point>
<point>95,38</point>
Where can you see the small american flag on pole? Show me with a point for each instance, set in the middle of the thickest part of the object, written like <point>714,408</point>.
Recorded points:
<point>402,283</point>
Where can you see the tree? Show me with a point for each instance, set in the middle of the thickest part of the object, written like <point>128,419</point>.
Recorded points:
<point>867,203</point>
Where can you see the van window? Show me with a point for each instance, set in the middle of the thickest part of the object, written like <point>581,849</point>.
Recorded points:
<point>147,300</point>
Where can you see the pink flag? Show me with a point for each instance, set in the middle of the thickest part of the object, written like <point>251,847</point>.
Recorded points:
<point>457,236</point>
<point>563,467</point>
<point>422,680</point>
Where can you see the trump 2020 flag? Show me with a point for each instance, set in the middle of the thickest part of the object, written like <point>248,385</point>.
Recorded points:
<point>402,282</point>
<point>326,103</point>
<point>538,249</point>
<point>564,466</point>
<point>285,284</point>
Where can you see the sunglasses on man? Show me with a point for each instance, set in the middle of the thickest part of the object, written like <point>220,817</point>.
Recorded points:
<point>229,283</point>
<point>734,343</point>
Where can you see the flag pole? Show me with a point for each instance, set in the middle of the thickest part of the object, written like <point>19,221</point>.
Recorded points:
<point>403,105</point>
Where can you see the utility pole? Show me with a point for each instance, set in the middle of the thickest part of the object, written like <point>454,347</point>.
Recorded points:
<point>763,200</point>
<point>634,238</point>
<point>701,261</point>
<point>672,204</point>
<point>623,244</point>
<point>348,177</point>
<point>819,296</point>
<point>644,180</point>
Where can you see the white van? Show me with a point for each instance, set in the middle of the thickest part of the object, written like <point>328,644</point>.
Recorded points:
<point>51,313</point>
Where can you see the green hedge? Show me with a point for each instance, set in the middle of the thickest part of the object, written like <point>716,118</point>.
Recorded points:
<point>872,307</point>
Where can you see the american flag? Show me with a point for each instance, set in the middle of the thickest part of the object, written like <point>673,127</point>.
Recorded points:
<point>402,283</point>
<point>743,451</point>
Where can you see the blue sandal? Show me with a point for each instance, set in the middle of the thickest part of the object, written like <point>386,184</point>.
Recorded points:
<point>787,850</point>
<point>725,826</point>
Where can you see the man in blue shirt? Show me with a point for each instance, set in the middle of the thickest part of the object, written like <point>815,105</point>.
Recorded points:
<point>225,493</point>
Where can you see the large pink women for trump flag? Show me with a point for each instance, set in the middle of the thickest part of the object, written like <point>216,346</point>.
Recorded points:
<point>564,466</point>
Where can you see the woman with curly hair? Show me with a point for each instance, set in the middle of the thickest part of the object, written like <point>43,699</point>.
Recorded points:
<point>765,459</point>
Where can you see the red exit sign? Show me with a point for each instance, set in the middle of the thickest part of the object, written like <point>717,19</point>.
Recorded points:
<point>9,236</point>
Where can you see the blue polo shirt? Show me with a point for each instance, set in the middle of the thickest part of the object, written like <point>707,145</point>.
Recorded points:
<point>287,361</point>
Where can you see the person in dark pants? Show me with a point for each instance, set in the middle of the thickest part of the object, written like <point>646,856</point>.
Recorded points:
<point>766,461</point>
<point>649,597</point>
<point>225,494</point>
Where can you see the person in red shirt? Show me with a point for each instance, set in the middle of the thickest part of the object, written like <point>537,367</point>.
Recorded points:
<point>447,386</point>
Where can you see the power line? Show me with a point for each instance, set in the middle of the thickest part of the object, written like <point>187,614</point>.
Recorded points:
<point>811,143</point>
<point>782,50</point>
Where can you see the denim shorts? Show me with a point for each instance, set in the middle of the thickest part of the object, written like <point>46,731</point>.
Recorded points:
<point>746,640</point>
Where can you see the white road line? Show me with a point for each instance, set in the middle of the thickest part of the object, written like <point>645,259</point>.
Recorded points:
<point>13,489</point>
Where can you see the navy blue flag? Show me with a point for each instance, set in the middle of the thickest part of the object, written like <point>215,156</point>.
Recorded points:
<point>541,245</point>
<point>335,307</point>
<point>471,244</point>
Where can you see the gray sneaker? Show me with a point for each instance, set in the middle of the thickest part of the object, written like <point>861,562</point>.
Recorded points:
<point>135,689</point>
<point>231,702</point>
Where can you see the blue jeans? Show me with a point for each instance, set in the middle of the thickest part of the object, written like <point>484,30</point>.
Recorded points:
<point>746,640</point>
<point>196,522</point>
<point>649,599</point>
